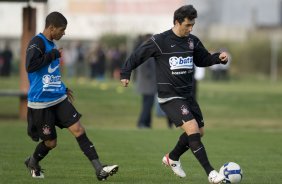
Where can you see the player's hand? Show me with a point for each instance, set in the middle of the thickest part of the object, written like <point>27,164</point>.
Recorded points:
<point>70,96</point>
<point>124,82</point>
<point>223,57</point>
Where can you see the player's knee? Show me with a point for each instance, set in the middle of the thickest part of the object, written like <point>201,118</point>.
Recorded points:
<point>51,143</point>
<point>195,141</point>
<point>80,130</point>
<point>77,130</point>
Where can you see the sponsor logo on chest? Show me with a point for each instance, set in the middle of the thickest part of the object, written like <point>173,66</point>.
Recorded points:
<point>181,63</point>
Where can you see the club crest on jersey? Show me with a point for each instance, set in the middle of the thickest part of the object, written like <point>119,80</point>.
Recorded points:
<point>191,44</point>
<point>184,110</point>
<point>46,130</point>
<point>181,63</point>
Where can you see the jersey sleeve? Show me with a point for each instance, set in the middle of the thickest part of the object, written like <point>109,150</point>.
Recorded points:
<point>202,58</point>
<point>36,57</point>
<point>140,55</point>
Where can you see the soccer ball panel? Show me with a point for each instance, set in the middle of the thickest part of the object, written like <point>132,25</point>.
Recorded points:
<point>232,172</point>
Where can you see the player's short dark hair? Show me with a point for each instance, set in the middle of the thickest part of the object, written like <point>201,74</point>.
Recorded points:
<point>186,11</point>
<point>56,19</point>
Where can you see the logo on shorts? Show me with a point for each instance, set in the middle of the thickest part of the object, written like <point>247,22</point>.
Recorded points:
<point>184,110</point>
<point>46,130</point>
<point>74,115</point>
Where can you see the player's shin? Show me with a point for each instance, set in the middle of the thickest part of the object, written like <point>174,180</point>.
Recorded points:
<point>89,150</point>
<point>181,147</point>
<point>199,151</point>
<point>40,152</point>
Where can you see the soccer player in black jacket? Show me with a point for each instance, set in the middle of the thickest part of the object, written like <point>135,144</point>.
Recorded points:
<point>175,52</point>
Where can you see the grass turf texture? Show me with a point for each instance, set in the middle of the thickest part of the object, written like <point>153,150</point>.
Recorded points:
<point>243,124</point>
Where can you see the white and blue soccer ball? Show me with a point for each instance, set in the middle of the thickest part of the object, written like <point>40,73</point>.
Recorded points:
<point>232,172</point>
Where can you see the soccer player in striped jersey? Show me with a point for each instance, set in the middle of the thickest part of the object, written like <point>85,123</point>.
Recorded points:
<point>175,52</point>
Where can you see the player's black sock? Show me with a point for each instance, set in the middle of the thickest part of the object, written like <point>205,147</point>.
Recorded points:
<point>97,164</point>
<point>181,147</point>
<point>199,151</point>
<point>40,152</point>
<point>89,150</point>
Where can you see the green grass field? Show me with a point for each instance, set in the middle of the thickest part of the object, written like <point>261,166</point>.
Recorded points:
<point>243,124</point>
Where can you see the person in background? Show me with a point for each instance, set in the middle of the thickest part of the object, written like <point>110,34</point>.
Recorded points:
<point>97,62</point>
<point>80,64</point>
<point>50,102</point>
<point>146,86</point>
<point>7,56</point>
<point>70,56</point>
<point>198,75</point>
<point>175,52</point>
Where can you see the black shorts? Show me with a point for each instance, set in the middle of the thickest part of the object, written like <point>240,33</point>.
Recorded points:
<point>183,110</point>
<point>42,122</point>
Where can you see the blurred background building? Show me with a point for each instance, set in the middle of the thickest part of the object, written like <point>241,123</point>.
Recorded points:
<point>90,20</point>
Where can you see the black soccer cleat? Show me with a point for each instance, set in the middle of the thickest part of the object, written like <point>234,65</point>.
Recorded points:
<point>106,171</point>
<point>34,168</point>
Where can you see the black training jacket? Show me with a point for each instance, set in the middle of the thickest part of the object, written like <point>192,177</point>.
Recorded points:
<point>175,58</point>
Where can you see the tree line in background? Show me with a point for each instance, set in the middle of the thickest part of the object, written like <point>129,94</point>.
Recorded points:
<point>252,57</point>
